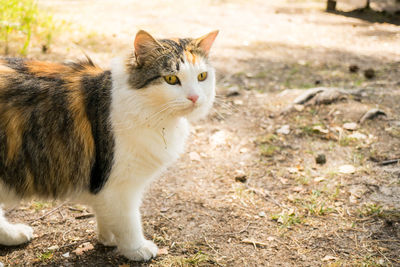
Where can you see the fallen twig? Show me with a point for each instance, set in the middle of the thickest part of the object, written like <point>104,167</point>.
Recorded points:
<point>389,162</point>
<point>84,216</point>
<point>254,242</point>
<point>47,213</point>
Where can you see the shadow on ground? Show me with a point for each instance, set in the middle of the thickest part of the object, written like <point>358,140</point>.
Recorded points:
<point>371,15</point>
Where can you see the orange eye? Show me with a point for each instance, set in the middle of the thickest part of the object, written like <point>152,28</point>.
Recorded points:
<point>171,79</point>
<point>202,76</point>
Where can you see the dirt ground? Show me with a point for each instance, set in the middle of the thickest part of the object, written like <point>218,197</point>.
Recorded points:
<point>249,192</point>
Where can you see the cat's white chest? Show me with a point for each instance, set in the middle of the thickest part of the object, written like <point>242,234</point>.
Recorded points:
<point>144,152</point>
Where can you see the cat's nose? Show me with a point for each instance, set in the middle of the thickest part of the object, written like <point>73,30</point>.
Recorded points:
<point>193,98</point>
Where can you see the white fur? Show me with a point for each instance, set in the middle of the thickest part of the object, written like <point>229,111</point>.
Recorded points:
<point>150,128</point>
<point>13,234</point>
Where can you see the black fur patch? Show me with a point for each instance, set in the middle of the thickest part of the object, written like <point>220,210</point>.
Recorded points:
<point>98,102</point>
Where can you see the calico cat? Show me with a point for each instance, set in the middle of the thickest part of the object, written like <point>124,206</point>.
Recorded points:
<point>98,137</point>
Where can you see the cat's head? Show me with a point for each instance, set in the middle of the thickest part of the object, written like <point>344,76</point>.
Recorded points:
<point>173,76</point>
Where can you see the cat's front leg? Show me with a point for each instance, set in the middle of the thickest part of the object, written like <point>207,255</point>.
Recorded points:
<point>13,234</point>
<point>118,213</point>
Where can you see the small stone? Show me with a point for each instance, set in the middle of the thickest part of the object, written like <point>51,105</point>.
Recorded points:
<point>329,258</point>
<point>357,135</point>
<point>298,107</point>
<point>53,248</point>
<point>238,102</point>
<point>218,138</point>
<point>241,178</point>
<point>194,156</point>
<point>351,126</point>
<point>338,204</point>
<point>297,189</point>
<point>369,73</point>
<point>347,169</point>
<point>319,179</point>
<point>285,129</point>
<point>354,68</point>
<point>320,159</point>
<point>65,255</point>
<point>164,209</point>
<point>261,214</point>
<point>320,129</point>
<point>243,150</point>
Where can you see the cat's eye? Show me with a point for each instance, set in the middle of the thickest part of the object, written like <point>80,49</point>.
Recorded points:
<point>172,79</point>
<point>202,76</point>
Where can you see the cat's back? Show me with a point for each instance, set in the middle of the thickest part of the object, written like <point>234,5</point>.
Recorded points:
<point>49,120</point>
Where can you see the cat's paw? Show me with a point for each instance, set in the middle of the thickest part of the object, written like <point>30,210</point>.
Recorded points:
<point>17,234</point>
<point>147,251</point>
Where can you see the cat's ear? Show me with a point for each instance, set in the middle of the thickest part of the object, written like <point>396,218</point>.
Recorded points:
<point>205,42</point>
<point>144,43</point>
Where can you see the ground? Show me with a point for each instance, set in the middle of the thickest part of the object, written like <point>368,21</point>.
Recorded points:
<point>248,191</point>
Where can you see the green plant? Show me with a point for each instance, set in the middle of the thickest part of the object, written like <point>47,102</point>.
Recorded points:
<point>268,150</point>
<point>287,218</point>
<point>45,256</point>
<point>370,210</point>
<point>21,21</point>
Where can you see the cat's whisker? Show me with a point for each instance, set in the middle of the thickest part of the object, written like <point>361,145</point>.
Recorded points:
<point>225,105</point>
<point>153,119</point>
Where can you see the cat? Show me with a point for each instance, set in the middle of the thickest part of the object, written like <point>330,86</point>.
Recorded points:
<point>99,137</point>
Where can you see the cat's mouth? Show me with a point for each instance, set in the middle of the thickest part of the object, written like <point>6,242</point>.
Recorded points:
<point>188,109</point>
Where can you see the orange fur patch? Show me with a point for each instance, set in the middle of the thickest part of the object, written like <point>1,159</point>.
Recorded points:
<point>14,122</point>
<point>46,69</point>
<point>190,57</point>
<point>49,69</point>
<point>5,69</point>
<point>82,125</point>
<point>92,70</point>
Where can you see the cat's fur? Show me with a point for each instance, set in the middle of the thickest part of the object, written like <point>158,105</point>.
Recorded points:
<point>74,131</point>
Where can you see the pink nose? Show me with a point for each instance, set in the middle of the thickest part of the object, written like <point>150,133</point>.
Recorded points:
<point>193,98</point>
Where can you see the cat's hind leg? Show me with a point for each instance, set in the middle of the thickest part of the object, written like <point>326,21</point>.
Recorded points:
<point>13,234</point>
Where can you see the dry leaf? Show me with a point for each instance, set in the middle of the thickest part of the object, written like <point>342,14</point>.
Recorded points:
<point>83,248</point>
<point>329,258</point>
<point>163,251</point>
